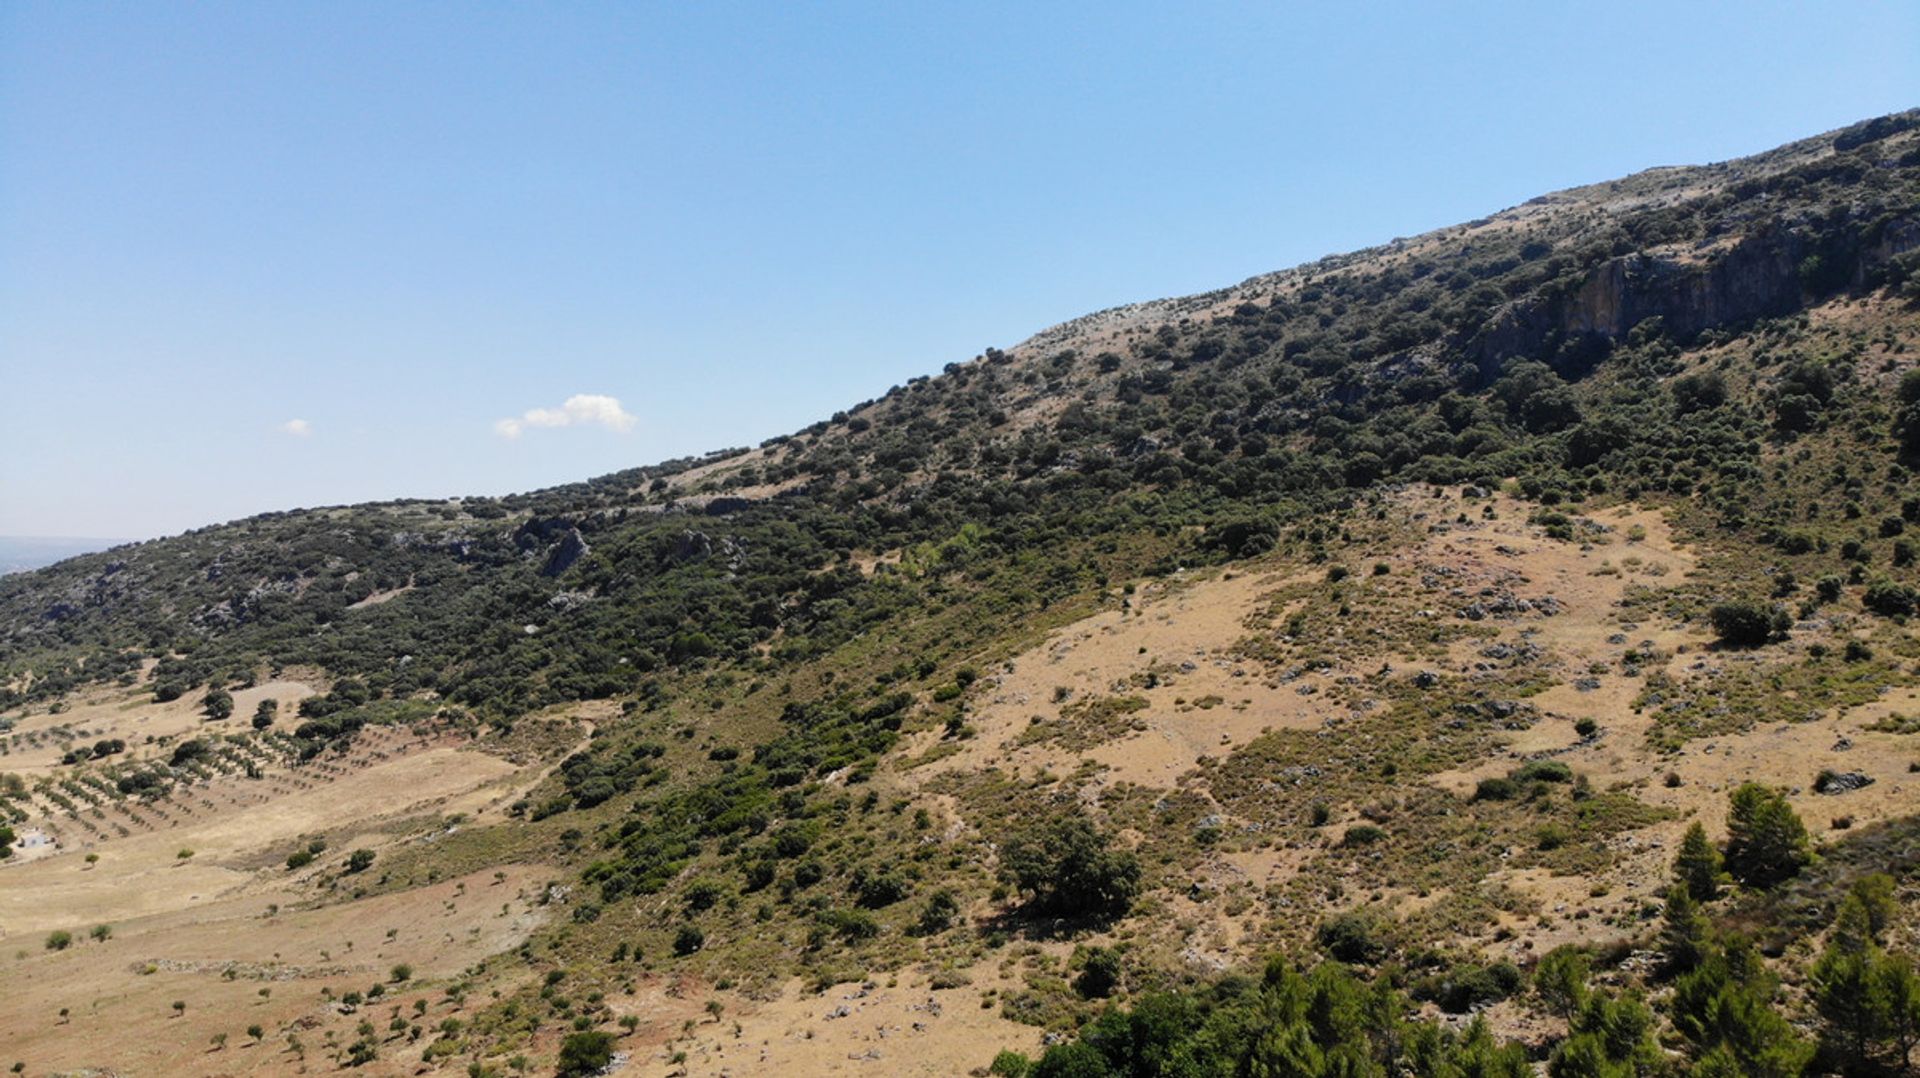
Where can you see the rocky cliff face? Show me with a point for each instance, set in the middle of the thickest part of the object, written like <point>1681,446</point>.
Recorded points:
<point>1771,272</point>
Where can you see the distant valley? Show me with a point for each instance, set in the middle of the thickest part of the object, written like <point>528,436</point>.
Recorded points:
<point>19,553</point>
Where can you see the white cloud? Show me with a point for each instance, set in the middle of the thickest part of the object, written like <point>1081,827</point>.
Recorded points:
<point>581,409</point>
<point>299,428</point>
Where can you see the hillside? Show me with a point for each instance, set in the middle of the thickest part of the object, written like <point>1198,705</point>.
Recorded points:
<point>1405,609</point>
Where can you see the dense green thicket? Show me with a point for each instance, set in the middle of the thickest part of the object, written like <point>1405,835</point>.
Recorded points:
<point>1323,1022</point>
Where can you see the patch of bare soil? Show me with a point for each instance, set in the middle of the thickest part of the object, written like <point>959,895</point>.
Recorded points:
<point>902,1026</point>
<point>1170,646</point>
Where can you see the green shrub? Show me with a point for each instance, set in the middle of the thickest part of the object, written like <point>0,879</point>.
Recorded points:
<point>1100,974</point>
<point>1364,834</point>
<point>1890,599</point>
<point>1496,789</point>
<point>585,1053</point>
<point>1009,1064</point>
<point>1356,937</point>
<point>1542,771</point>
<point>1071,870</point>
<point>1745,624</point>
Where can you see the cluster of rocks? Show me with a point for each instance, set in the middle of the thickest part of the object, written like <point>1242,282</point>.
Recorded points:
<point>1502,603</point>
<point>1514,653</point>
<point>693,546</point>
<point>1840,782</point>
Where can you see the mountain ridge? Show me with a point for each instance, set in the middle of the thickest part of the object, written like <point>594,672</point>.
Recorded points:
<point>1406,608</point>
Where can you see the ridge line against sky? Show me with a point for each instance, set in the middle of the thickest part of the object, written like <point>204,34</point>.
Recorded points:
<point>257,258</point>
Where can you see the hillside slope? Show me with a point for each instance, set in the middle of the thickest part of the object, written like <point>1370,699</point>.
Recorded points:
<point>1407,607</point>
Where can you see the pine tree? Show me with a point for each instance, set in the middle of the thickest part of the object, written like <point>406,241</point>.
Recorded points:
<point>1697,867</point>
<point>1900,990</point>
<point>1725,1008</point>
<point>1847,993</point>
<point>1685,936</point>
<point>1868,1000</point>
<point>1479,1055</point>
<point>1875,894</point>
<point>1766,842</point>
<point>1612,1038</point>
<point>1560,980</point>
<point>1853,927</point>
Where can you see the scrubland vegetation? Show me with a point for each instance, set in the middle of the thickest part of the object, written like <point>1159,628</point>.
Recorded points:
<point>1532,569</point>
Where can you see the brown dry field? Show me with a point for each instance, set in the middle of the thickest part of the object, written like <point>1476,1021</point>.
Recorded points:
<point>119,993</point>
<point>215,929</point>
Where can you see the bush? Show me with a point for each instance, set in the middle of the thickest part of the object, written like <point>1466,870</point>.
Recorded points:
<point>1364,834</point>
<point>1467,988</point>
<point>359,861</point>
<point>939,913</point>
<point>1072,870</point>
<point>852,926</point>
<point>703,894</point>
<point>217,704</point>
<point>1356,937</point>
<point>1889,599</point>
<point>1009,1065</point>
<point>1100,975</point>
<point>1560,980</point>
<point>688,940</point>
<point>585,1053</point>
<point>1744,624</point>
<point>188,751</point>
<point>1496,789</point>
<point>59,941</point>
<point>1542,771</point>
<point>875,892</point>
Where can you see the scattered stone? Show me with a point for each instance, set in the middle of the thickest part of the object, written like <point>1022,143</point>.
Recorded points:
<point>1840,782</point>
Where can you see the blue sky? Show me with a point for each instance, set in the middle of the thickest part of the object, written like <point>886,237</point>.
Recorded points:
<point>402,224</point>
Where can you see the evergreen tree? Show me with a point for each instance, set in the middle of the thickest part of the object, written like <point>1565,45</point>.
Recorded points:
<point>1612,1038</point>
<point>1685,933</point>
<point>1560,980</point>
<point>1846,991</point>
<point>1725,1008</point>
<point>1868,1000</point>
<point>1697,867</point>
<point>1877,905</point>
<point>1766,842</point>
<point>1899,986</point>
